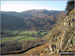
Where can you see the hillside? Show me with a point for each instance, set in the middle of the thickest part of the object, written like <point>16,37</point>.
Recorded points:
<point>29,20</point>
<point>61,38</point>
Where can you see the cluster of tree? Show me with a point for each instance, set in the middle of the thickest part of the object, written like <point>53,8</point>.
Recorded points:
<point>70,6</point>
<point>20,46</point>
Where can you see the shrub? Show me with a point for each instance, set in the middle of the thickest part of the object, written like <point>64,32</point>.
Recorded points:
<point>70,6</point>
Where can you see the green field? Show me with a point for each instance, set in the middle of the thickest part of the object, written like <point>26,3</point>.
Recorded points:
<point>16,38</point>
<point>21,36</point>
<point>28,32</point>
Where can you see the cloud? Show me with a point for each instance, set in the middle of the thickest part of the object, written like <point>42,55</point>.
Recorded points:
<point>11,6</point>
<point>29,5</point>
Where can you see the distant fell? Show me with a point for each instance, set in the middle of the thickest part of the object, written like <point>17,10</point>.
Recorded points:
<point>29,20</point>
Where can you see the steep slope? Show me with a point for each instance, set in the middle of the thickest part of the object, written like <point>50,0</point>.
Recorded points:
<point>64,37</point>
<point>61,38</point>
<point>9,22</point>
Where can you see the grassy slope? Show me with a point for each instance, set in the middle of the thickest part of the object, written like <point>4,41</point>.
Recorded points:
<point>37,49</point>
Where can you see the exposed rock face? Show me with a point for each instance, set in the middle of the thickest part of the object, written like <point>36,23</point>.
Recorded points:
<point>62,36</point>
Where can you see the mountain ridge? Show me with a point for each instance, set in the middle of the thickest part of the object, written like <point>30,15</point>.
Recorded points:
<point>29,20</point>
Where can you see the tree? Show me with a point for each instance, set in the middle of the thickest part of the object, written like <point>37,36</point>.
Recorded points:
<point>70,6</point>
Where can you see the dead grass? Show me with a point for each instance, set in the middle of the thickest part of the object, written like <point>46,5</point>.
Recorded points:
<point>37,50</point>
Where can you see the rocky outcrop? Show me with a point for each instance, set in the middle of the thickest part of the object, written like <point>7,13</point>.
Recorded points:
<point>63,38</point>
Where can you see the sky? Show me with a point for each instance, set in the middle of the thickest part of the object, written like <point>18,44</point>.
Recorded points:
<point>19,6</point>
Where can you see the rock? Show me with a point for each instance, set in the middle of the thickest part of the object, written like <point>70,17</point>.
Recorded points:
<point>66,39</point>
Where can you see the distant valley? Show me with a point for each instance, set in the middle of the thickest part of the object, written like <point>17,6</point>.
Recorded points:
<point>27,29</point>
